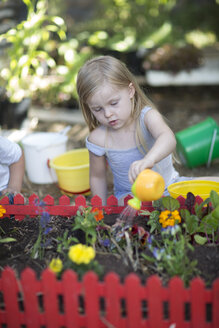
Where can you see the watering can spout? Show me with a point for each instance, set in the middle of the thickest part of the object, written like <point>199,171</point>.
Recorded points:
<point>135,203</point>
<point>148,186</point>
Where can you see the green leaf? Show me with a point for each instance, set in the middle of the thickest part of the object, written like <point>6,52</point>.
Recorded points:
<point>148,258</point>
<point>198,208</point>
<point>7,240</point>
<point>36,247</point>
<point>29,4</point>
<point>184,213</point>
<point>209,224</point>
<point>214,198</point>
<point>58,21</point>
<point>191,221</point>
<point>153,221</point>
<point>200,240</point>
<point>157,203</point>
<point>170,203</point>
<point>145,212</point>
<point>215,213</point>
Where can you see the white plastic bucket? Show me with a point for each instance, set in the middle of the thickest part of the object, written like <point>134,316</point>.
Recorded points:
<point>39,149</point>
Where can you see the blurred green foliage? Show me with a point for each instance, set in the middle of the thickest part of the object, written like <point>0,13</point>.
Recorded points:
<point>42,62</point>
<point>47,49</point>
<point>30,50</point>
<point>124,25</point>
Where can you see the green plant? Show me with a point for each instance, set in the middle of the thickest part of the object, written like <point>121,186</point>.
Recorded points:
<point>79,258</point>
<point>43,239</point>
<point>170,254</point>
<point>75,255</point>
<point>87,220</point>
<point>176,228</point>
<point>165,214</point>
<point>124,25</point>
<point>65,241</point>
<point>42,62</point>
<point>123,240</point>
<point>127,25</point>
<point>202,220</point>
<point>169,245</point>
<point>199,221</point>
<point>137,234</point>
<point>31,45</point>
<point>6,239</point>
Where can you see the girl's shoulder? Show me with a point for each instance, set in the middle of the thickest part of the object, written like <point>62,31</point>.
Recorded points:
<point>149,112</point>
<point>10,151</point>
<point>148,109</point>
<point>97,136</point>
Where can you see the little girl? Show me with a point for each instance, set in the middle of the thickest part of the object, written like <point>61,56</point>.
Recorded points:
<point>125,128</point>
<point>11,167</point>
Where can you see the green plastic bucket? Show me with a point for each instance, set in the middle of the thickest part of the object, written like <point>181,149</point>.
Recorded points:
<point>198,144</point>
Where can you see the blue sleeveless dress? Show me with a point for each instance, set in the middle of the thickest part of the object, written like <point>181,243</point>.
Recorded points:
<point>120,160</point>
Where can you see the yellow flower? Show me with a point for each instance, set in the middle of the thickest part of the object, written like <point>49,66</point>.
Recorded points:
<point>81,254</point>
<point>176,215</point>
<point>56,265</point>
<point>2,211</point>
<point>168,218</point>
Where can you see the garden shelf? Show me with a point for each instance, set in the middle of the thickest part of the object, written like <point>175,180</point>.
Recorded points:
<point>47,302</point>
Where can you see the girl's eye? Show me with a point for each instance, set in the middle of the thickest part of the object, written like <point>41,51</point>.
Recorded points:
<point>114,103</point>
<point>97,109</point>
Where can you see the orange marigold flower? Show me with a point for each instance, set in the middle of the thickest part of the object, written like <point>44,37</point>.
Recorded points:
<point>168,218</point>
<point>176,216</point>
<point>99,216</point>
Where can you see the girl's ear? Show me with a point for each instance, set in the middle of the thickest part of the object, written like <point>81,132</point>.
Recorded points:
<point>131,90</point>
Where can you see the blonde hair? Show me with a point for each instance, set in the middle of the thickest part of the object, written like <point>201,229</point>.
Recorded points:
<point>102,69</point>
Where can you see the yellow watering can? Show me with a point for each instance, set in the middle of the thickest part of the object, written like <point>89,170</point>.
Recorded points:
<point>148,186</point>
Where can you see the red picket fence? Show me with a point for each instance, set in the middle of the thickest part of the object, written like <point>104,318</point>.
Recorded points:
<point>22,208</point>
<point>70,303</point>
<point>28,302</point>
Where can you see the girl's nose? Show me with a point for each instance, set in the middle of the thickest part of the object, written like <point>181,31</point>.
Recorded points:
<point>107,112</point>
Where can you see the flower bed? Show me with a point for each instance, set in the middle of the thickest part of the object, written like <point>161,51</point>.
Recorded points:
<point>71,302</point>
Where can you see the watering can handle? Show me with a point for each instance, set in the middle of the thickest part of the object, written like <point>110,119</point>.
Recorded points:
<point>211,148</point>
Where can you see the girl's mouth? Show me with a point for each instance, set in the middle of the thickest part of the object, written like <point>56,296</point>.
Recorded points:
<point>112,123</point>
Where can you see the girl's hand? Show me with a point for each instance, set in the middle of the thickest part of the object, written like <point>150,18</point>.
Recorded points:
<point>138,166</point>
<point>9,191</point>
<point>164,145</point>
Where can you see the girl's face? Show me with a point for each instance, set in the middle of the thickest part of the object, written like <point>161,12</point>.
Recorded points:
<point>111,106</point>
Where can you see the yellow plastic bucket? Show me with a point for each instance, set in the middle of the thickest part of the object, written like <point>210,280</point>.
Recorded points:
<point>200,188</point>
<point>72,170</point>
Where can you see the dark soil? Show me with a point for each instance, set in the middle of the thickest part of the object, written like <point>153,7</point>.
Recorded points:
<point>17,254</point>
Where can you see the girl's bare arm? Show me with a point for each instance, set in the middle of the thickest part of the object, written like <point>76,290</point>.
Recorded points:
<point>98,183</point>
<point>164,145</point>
<point>16,176</point>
